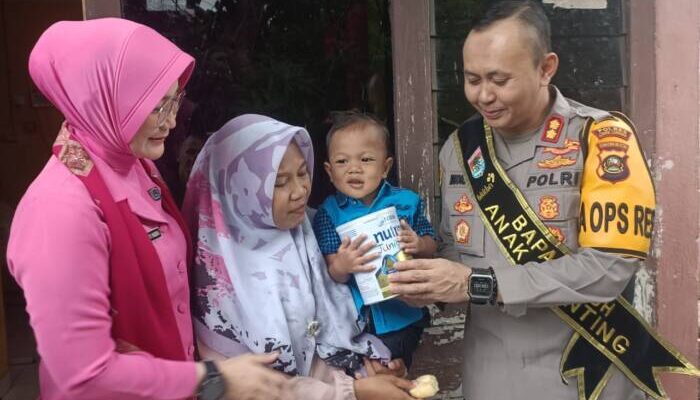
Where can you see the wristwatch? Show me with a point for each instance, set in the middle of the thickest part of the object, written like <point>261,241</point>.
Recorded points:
<point>212,386</point>
<point>482,288</point>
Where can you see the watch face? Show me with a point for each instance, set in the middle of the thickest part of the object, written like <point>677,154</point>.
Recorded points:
<point>481,286</point>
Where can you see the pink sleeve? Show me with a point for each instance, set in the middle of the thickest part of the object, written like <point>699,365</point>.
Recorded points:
<point>58,252</point>
<point>325,383</point>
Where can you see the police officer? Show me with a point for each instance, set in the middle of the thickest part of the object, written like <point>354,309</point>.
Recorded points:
<point>578,170</point>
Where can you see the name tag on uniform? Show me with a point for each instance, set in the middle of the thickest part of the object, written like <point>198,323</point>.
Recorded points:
<point>154,234</point>
<point>457,179</point>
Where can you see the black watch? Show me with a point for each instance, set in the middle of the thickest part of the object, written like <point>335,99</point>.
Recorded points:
<point>482,287</point>
<point>212,386</point>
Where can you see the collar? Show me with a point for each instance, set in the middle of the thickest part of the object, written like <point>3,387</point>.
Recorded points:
<point>344,200</point>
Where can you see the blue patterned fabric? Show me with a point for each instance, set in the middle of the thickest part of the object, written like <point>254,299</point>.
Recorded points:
<point>391,315</point>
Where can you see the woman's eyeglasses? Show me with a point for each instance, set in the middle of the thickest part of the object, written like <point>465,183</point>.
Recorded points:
<point>170,107</point>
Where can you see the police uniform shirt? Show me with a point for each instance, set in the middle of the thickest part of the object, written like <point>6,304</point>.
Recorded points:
<point>514,351</point>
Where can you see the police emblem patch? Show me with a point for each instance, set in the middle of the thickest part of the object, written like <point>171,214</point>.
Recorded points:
<point>477,164</point>
<point>463,204</point>
<point>612,157</point>
<point>75,158</point>
<point>556,162</point>
<point>557,233</point>
<point>549,207</point>
<point>552,129</point>
<point>462,232</point>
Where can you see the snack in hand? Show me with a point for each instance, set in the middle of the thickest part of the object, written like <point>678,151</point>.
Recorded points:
<point>426,386</point>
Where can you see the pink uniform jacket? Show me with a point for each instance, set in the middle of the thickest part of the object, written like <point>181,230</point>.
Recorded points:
<point>105,76</point>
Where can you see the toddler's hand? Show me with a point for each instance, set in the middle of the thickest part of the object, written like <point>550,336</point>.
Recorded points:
<point>352,256</point>
<point>409,239</point>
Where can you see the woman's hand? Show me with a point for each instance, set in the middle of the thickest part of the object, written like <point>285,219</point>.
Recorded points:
<point>249,377</point>
<point>351,258</point>
<point>383,387</point>
<point>396,367</point>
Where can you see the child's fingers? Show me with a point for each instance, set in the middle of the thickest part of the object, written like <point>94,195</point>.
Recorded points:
<point>368,258</point>
<point>362,268</point>
<point>405,225</point>
<point>410,250</point>
<point>358,241</point>
<point>345,242</point>
<point>407,237</point>
<point>365,247</point>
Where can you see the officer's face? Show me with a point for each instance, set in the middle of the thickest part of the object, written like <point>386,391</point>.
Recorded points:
<point>502,80</point>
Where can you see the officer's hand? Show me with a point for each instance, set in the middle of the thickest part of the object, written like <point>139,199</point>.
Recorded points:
<point>430,280</point>
<point>351,258</point>
<point>249,377</point>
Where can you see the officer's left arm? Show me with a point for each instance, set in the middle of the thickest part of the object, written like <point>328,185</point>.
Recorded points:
<point>615,228</point>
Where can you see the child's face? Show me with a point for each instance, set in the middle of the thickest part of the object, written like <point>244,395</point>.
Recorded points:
<point>292,188</point>
<point>357,161</point>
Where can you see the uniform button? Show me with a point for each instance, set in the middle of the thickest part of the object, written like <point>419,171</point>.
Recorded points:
<point>181,308</point>
<point>181,267</point>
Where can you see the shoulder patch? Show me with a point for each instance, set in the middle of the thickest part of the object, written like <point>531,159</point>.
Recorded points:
<point>617,194</point>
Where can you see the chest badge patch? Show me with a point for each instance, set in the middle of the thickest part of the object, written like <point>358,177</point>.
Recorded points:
<point>557,233</point>
<point>462,232</point>
<point>477,164</point>
<point>463,204</point>
<point>549,207</point>
<point>557,161</point>
<point>570,146</point>
<point>552,129</point>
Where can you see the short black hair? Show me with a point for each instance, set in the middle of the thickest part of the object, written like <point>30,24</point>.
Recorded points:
<point>346,119</point>
<point>529,13</point>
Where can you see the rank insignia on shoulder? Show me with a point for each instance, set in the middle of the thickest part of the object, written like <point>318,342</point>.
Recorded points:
<point>477,164</point>
<point>154,192</point>
<point>463,204</point>
<point>462,232</point>
<point>552,129</point>
<point>549,207</point>
<point>555,162</point>
<point>557,233</point>
<point>570,146</point>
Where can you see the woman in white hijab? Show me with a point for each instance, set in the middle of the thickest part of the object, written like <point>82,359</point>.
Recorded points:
<point>261,284</point>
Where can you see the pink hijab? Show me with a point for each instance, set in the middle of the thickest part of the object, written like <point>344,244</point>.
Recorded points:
<point>106,76</point>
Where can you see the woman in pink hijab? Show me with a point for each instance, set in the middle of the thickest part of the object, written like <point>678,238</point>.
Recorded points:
<point>97,242</point>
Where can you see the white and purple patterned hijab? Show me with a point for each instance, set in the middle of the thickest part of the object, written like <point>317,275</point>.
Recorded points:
<point>258,288</point>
